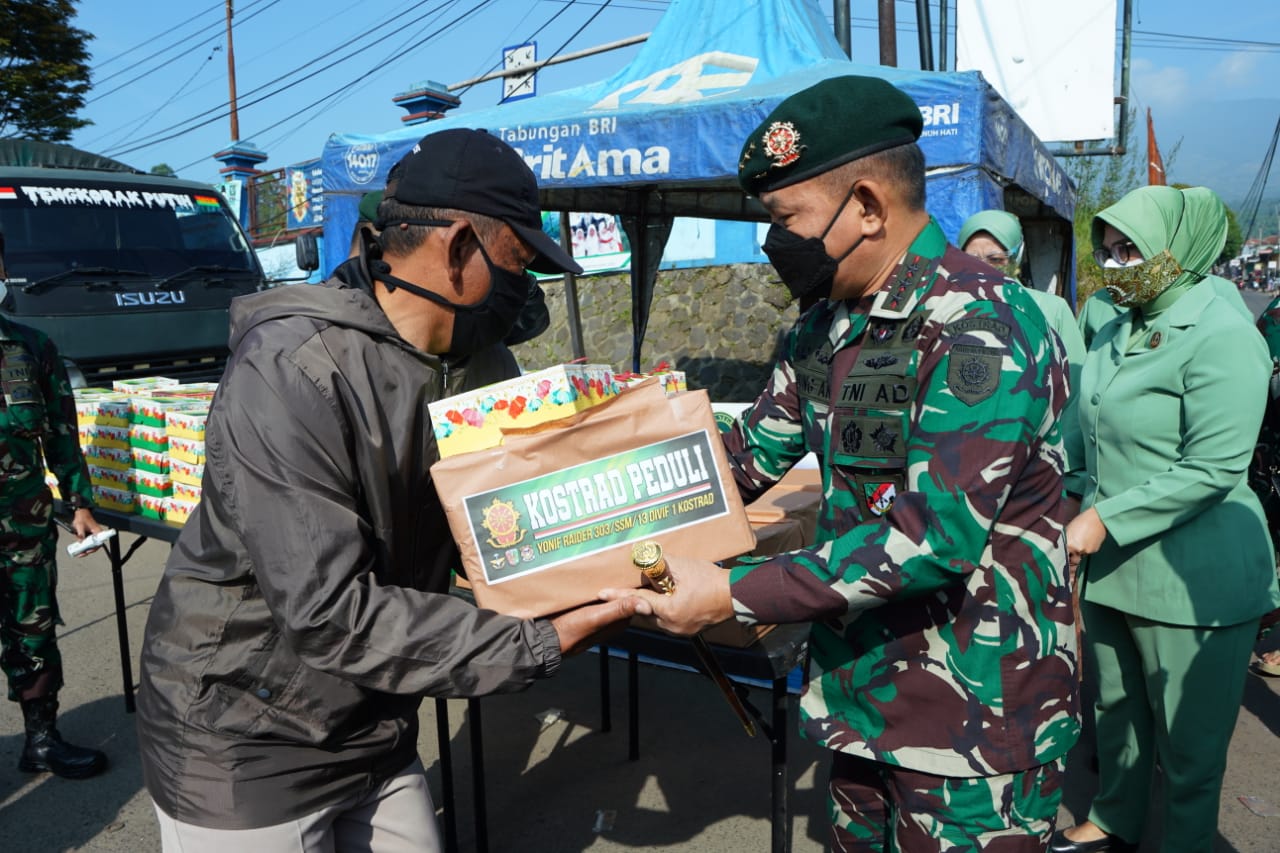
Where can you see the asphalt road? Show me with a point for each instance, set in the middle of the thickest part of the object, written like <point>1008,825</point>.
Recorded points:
<point>555,783</point>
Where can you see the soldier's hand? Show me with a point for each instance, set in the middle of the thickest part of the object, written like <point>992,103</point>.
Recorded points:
<point>84,524</point>
<point>583,627</point>
<point>701,597</point>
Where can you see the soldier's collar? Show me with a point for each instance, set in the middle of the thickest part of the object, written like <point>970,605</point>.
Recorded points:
<point>913,274</point>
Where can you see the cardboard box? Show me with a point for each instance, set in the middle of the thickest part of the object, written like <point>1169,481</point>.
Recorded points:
<point>112,478</point>
<point>150,483</point>
<point>187,423</point>
<point>101,408</point>
<point>118,458</point>
<point>548,519</point>
<point>187,473</point>
<point>178,511</point>
<point>476,420</point>
<point>152,506</point>
<point>115,499</point>
<point>186,450</point>
<point>96,435</point>
<point>154,411</point>
<point>145,385</point>
<point>151,438</point>
<point>149,460</point>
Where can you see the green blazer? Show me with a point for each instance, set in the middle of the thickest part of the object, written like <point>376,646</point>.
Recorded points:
<point>1169,427</point>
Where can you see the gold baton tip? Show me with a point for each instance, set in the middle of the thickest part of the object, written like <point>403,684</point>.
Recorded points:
<point>647,557</point>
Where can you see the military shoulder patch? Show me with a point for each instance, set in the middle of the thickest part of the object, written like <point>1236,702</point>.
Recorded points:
<point>973,373</point>
<point>998,329</point>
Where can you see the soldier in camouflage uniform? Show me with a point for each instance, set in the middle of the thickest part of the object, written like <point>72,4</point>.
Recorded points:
<point>942,653</point>
<point>37,424</point>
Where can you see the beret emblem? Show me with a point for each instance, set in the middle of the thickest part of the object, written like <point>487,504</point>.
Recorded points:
<point>782,144</point>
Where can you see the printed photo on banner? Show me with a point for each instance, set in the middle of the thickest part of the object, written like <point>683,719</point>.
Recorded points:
<point>599,243</point>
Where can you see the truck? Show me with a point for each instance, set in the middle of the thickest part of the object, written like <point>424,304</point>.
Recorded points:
<point>130,274</point>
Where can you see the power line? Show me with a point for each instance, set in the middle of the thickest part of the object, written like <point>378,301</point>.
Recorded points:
<point>144,42</point>
<point>152,138</point>
<point>295,114</point>
<point>173,59</point>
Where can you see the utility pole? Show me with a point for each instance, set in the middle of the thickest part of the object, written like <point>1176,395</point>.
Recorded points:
<point>231,78</point>
<point>942,35</point>
<point>888,34</point>
<point>840,10</point>
<point>924,29</point>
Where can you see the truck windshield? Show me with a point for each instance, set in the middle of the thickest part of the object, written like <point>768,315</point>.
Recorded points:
<point>54,228</point>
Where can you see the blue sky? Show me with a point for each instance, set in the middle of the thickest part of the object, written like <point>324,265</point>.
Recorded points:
<point>1211,80</point>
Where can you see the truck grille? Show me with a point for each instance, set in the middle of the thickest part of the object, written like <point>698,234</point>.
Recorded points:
<point>193,367</point>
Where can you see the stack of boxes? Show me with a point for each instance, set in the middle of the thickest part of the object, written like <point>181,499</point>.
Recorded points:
<point>143,441</point>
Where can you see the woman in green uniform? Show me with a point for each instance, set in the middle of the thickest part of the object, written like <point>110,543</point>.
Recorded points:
<point>1179,566</point>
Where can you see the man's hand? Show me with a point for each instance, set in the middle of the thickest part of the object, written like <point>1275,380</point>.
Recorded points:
<point>701,597</point>
<point>1085,535</point>
<point>583,627</point>
<point>84,524</point>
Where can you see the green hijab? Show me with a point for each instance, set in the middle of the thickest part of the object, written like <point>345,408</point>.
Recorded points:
<point>1191,224</point>
<point>1003,227</point>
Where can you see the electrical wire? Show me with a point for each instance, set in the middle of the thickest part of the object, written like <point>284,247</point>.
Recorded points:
<point>144,42</point>
<point>171,60</point>
<point>295,114</point>
<point>224,107</point>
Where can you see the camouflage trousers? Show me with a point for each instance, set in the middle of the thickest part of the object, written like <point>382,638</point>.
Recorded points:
<point>886,809</point>
<point>28,585</point>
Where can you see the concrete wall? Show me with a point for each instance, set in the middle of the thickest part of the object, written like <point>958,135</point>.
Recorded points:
<point>720,325</point>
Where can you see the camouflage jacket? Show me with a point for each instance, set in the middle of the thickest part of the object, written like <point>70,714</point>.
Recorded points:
<point>37,417</point>
<point>942,635</point>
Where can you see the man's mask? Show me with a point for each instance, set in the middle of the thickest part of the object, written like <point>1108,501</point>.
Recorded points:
<point>479,326</point>
<point>802,262</point>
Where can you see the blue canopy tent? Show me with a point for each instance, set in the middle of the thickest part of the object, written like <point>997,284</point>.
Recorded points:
<point>661,138</point>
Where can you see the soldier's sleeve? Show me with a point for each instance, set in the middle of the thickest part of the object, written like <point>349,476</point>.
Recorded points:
<point>1224,394</point>
<point>62,444</point>
<point>769,437</point>
<point>1269,325</point>
<point>1077,474</point>
<point>988,395</point>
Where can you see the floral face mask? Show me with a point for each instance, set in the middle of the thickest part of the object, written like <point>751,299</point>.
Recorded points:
<point>1140,283</point>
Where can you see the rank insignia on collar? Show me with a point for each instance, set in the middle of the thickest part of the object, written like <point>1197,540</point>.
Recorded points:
<point>1155,340</point>
<point>782,143</point>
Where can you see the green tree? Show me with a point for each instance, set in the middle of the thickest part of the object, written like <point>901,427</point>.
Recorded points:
<point>164,170</point>
<point>44,69</point>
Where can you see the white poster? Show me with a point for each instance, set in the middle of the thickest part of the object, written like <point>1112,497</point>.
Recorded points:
<point>1054,62</point>
<point>230,190</point>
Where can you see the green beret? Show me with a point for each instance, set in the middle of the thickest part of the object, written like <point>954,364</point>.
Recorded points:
<point>1003,227</point>
<point>369,206</point>
<point>827,125</point>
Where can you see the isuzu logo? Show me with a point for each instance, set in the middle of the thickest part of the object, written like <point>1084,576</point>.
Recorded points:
<point>159,297</point>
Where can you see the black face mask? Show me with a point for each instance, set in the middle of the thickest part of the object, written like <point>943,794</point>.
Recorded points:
<point>802,262</point>
<point>479,326</point>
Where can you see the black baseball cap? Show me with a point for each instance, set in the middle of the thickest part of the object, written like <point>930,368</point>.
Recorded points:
<point>472,170</point>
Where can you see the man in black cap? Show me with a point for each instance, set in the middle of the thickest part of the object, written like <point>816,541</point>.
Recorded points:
<point>303,613</point>
<point>942,655</point>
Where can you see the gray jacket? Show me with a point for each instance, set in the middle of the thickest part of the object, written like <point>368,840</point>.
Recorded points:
<point>303,612</point>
